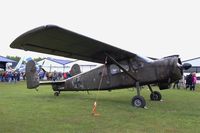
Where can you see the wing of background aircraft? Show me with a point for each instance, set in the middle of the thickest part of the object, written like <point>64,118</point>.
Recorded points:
<point>54,40</point>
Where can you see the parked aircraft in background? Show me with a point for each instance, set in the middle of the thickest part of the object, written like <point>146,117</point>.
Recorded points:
<point>120,69</point>
<point>18,67</point>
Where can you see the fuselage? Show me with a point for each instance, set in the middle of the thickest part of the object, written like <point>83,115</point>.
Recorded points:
<point>110,76</point>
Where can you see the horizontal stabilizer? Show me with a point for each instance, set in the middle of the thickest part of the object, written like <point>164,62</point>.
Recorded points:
<point>51,82</point>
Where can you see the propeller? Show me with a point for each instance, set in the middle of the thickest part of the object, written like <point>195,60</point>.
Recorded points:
<point>184,66</point>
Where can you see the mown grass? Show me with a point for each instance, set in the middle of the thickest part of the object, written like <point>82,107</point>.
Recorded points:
<point>29,111</point>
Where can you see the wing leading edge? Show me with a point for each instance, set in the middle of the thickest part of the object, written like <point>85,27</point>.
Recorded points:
<point>55,40</point>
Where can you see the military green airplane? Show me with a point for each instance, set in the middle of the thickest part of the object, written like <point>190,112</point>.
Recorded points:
<point>120,69</point>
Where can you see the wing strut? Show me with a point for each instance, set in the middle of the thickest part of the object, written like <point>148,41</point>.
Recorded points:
<point>137,100</point>
<point>124,70</point>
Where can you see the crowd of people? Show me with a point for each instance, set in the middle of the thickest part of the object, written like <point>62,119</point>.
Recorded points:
<point>53,75</point>
<point>14,76</point>
<point>189,82</point>
<point>11,76</point>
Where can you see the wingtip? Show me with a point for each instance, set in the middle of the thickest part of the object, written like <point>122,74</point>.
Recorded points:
<point>18,42</point>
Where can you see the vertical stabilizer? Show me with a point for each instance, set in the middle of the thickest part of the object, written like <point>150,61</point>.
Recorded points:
<point>19,64</point>
<point>32,78</point>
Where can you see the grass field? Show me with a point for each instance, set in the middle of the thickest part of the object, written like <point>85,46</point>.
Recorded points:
<point>29,111</point>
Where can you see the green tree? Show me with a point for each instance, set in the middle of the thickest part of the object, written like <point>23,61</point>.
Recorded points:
<point>38,59</point>
<point>15,58</point>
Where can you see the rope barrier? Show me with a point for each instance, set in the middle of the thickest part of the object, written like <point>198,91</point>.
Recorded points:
<point>94,113</point>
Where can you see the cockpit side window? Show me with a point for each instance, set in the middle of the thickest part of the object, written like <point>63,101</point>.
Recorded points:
<point>114,69</point>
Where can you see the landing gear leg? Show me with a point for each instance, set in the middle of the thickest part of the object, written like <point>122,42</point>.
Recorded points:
<point>138,101</point>
<point>155,95</point>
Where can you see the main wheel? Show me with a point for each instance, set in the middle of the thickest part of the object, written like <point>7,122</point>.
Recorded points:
<point>155,96</point>
<point>138,101</point>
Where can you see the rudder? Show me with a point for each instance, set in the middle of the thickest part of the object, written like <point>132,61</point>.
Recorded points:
<point>32,78</point>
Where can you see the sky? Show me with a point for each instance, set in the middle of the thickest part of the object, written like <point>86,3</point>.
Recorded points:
<point>154,28</point>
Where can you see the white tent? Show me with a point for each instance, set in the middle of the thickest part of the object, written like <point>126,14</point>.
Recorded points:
<point>84,65</point>
<point>58,65</point>
<point>51,64</point>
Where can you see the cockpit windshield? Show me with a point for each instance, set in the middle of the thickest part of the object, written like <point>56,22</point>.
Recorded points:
<point>146,59</point>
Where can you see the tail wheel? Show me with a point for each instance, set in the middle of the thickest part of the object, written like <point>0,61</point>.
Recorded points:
<point>155,96</point>
<point>138,101</point>
<point>56,93</point>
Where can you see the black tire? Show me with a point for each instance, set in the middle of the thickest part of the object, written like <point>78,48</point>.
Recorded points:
<point>155,96</point>
<point>56,93</point>
<point>138,101</point>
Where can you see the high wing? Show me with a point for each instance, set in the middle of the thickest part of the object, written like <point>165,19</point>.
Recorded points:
<point>51,39</point>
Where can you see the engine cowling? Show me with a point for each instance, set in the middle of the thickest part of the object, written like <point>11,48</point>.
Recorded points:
<point>163,86</point>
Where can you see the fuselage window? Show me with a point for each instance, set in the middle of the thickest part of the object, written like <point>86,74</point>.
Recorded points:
<point>114,69</point>
<point>126,67</point>
<point>136,64</point>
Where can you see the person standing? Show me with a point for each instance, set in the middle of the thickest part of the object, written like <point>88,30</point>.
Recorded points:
<point>194,80</point>
<point>189,81</point>
<point>176,85</point>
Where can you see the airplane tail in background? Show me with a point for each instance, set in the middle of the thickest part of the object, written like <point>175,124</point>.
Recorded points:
<point>31,75</point>
<point>19,64</point>
<point>75,70</point>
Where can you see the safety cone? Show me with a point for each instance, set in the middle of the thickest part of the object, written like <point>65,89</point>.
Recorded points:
<point>94,113</point>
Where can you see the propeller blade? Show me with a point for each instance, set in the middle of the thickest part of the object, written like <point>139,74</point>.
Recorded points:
<point>186,66</point>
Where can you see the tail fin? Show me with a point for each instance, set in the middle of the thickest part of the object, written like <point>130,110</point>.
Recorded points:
<point>19,64</point>
<point>32,78</point>
<point>75,70</point>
